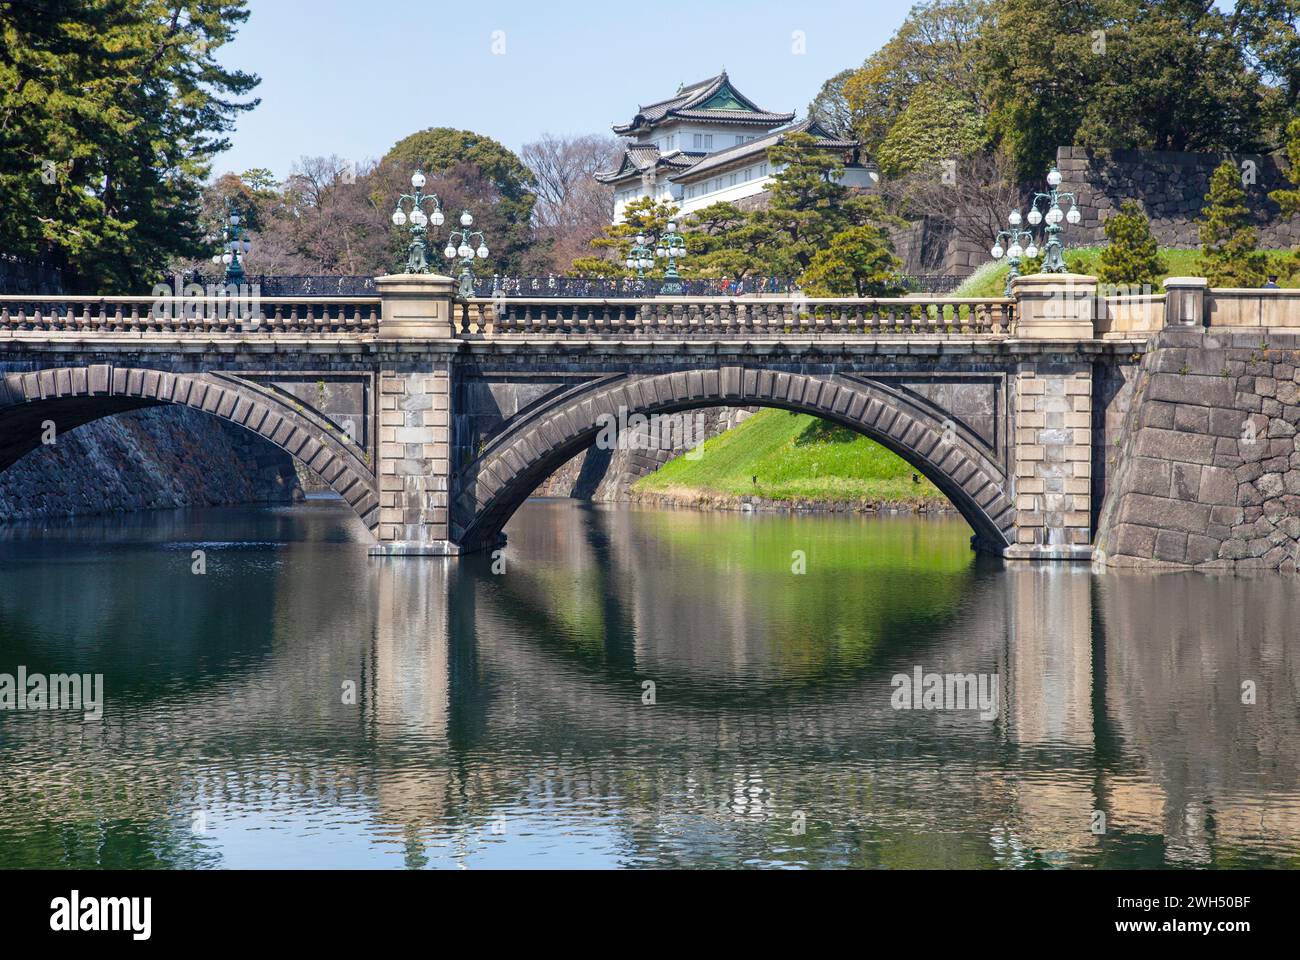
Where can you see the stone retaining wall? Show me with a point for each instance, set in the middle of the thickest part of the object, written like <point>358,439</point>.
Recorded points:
<point>1207,465</point>
<point>1171,187</point>
<point>160,458</point>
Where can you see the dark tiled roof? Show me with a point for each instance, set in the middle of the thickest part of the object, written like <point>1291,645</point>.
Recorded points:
<point>734,116</point>
<point>744,151</point>
<point>640,157</point>
<point>688,105</point>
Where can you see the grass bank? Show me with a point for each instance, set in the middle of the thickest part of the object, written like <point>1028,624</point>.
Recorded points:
<point>991,279</point>
<point>790,457</point>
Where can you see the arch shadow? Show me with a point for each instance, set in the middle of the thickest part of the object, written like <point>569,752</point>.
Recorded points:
<point>514,463</point>
<point>73,396</point>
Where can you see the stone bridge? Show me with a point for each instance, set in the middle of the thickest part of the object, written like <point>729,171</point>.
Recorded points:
<point>435,418</point>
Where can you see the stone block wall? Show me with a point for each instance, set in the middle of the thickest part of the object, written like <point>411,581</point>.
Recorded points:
<point>161,458</point>
<point>1208,462</point>
<point>1171,187</point>
<point>414,454</point>
<point>1053,454</point>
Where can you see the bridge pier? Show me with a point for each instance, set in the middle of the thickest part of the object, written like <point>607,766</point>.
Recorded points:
<point>414,397</point>
<point>1052,479</point>
<point>1053,462</point>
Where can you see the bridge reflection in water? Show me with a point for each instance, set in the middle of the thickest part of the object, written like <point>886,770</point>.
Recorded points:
<point>499,718</point>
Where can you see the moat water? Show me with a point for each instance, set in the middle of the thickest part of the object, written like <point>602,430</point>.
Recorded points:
<point>635,688</point>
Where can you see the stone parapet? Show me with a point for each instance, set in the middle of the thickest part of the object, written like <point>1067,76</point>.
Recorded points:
<point>415,306</point>
<point>1235,307</point>
<point>1055,306</point>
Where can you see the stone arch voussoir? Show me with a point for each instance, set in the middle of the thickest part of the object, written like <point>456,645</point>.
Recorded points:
<point>91,392</point>
<point>492,487</point>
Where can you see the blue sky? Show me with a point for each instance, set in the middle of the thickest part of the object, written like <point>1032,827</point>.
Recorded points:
<point>352,78</point>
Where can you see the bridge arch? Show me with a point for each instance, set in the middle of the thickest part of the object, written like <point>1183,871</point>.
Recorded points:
<point>73,396</point>
<point>515,462</point>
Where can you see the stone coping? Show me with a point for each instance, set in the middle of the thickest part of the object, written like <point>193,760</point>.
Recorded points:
<point>1078,553</point>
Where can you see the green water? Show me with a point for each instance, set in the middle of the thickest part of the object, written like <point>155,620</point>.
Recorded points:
<point>500,715</point>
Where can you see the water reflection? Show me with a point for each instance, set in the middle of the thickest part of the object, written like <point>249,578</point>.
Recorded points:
<point>304,705</point>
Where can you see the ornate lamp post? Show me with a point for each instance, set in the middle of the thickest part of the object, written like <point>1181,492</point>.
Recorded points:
<point>1019,245</point>
<point>672,247</point>
<point>417,257</point>
<point>1053,260</point>
<point>640,258</point>
<point>459,245</point>
<point>235,241</point>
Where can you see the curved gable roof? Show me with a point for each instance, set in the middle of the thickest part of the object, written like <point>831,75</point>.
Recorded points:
<point>638,158</point>
<point>715,99</point>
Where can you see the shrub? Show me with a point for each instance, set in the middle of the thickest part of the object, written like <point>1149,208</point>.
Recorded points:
<point>1131,258</point>
<point>1229,253</point>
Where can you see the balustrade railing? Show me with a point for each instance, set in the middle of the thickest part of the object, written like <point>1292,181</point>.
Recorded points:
<point>770,318</point>
<point>751,317</point>
<point>211,315</point>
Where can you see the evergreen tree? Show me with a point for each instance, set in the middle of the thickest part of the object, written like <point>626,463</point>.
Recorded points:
<point>644,217</point>
<point>938,123</point>
<point>808,205</point>
<point>473,171</point>
<point>1289,200</point>
<point>1132,257</point>
<point>858,262</point>
<point>1229,254</point>
<point>726,242</point>
<point>110,111</point>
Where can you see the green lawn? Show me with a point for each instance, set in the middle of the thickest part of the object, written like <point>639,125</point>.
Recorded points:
<point>794,456</point>
<point>991,280</point>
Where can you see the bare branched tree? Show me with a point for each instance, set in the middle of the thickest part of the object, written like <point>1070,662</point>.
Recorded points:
<point>969,197</point>
<point>328,217</point>
<point>572,206</point>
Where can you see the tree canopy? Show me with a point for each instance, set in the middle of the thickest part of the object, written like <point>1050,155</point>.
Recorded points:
<point>468,169</point>
<point>110,112</point>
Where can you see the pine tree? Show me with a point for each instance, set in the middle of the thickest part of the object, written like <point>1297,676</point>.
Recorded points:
<point>1229,254</point>
<point>1132,258</point>
<point>1289,200</point>
<point>644,217</point>
<point>858,262</point>
<point>110,111</point>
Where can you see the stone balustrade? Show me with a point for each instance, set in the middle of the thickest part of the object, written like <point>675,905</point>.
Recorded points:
<point>26,315</point>
<point>1056,307</point>
<point>743,317</point>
